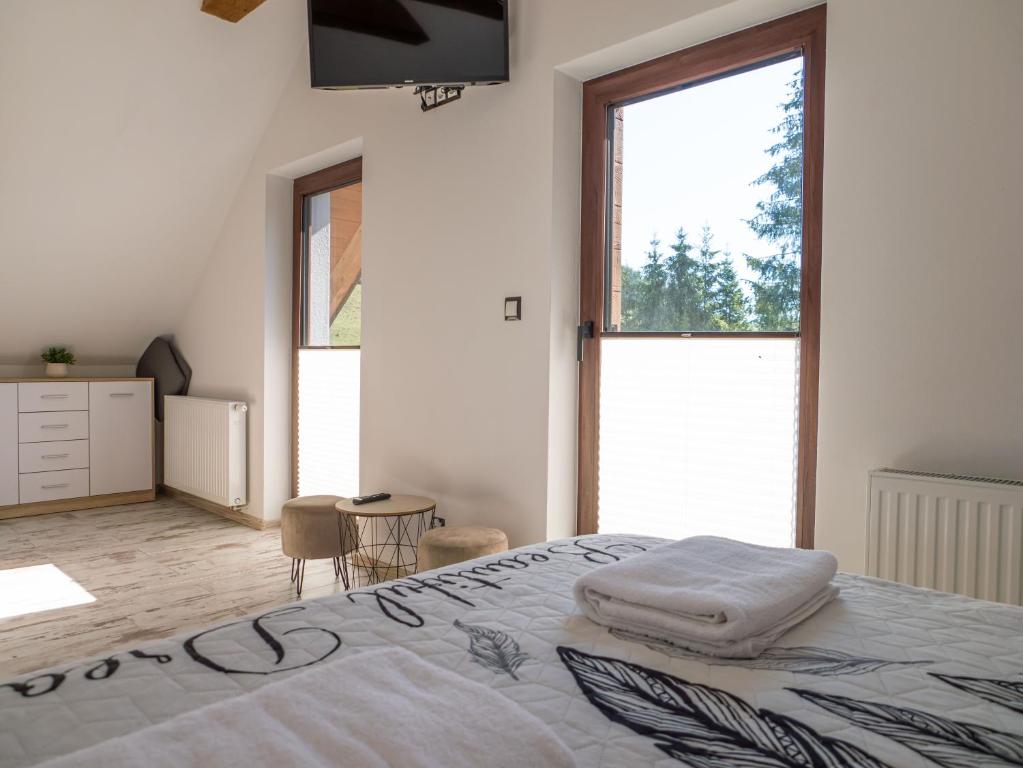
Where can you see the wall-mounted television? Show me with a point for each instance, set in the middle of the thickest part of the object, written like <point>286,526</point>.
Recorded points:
<point>384,43</point>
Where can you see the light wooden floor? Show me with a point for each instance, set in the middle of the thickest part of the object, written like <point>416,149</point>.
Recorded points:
<point>155,569</point>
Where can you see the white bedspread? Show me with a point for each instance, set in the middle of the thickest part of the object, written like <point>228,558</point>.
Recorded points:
<point>882,675</point>
<point>384,707</point>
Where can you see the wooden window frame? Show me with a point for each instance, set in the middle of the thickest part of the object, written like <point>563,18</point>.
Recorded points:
<point>326,180</point>
<point>802,32</point>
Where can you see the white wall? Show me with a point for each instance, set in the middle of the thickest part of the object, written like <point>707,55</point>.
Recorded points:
<point>126,127</point>
<point>562,407</point>
<point>921,362</point>
<point>458,213</point>
<point>921,351</point>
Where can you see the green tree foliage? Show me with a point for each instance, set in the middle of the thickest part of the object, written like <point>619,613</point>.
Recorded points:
<point>688,290</point>
<point>724,300</point>
<point>779,218</point>
<point>632,288</point>
<point>696,288</point>
<point>775,304</point>
<point>691,288</point>
<point>654,303</point>
<point>779,221</point>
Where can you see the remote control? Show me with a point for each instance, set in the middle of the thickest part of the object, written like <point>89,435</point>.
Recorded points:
<point>370,498</point>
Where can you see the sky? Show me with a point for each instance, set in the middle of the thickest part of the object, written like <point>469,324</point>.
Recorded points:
<point>690,158</point>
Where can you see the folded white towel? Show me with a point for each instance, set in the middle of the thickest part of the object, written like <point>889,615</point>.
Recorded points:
<point>379,708</point>
<point>709,595</point>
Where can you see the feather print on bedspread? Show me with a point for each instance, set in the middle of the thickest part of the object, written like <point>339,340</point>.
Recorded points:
<point>1003,692</point>
<point>704,727</point>
<point>803,659</point>
<point>947,742</point>
<point>810,660</point>
<point>493,649</point>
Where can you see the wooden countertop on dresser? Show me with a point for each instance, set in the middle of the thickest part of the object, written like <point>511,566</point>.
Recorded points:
<point>57,379</point>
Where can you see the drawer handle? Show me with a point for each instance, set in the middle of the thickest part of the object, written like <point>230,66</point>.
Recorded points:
<point>54,426</point>
<point>56,485</point>
<point>57,456</point>
<point>54,397</point>
<point>122,394</point>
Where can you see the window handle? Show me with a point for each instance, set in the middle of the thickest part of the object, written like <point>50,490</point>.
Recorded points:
<point>582,332</point>
<point>56,485</point>
<point>54,426</point>
<point>57,456</point>
<point>54,397</point>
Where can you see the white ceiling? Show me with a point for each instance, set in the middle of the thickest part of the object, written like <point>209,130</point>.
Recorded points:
<point>126,127</point>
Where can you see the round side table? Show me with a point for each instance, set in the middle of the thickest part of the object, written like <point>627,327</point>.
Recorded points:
<point>388,534</point>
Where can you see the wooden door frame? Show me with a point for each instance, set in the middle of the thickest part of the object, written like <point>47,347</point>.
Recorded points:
<point>800,32</point>
<point>326,180</point>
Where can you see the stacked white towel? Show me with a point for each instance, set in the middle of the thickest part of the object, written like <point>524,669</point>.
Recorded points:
<point>370,710</point>
<point>709,595</point>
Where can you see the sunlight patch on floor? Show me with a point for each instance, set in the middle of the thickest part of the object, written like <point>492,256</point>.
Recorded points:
<point>38,588</point>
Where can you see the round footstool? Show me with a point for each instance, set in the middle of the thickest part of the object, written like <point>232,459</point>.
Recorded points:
<point>312,529</point>
<point>446,546</point>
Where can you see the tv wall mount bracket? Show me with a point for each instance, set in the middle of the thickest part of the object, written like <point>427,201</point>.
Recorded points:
<point>433,96</point>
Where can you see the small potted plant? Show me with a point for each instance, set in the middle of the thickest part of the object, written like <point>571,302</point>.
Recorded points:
<point>57,360</point>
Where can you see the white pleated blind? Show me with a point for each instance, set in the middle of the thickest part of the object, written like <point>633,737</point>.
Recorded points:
<point>328,421</point>
<point>699,436</point>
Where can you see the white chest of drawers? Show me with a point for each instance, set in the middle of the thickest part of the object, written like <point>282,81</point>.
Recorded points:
<point>74,444</point>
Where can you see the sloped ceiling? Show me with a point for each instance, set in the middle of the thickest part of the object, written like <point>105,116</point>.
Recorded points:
<point>126,127</point>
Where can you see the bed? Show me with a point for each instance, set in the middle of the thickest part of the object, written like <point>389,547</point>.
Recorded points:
<point>885,675</point>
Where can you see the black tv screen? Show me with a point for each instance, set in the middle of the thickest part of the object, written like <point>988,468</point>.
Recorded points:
<point>380,43</point>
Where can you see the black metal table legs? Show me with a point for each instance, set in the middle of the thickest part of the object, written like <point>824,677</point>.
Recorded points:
<point>387,547</point>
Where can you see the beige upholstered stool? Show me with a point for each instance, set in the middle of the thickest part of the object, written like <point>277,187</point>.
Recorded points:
<point>446,546</point>
<point>312,529</point>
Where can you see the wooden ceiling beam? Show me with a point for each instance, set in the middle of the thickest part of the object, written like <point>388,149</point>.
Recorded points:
<point>230,10</point>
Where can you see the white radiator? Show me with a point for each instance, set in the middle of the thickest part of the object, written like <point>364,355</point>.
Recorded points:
<point>204,449</point>
<point>945,532</point>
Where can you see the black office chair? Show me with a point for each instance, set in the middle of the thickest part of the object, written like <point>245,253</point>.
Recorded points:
<point>164,362</point>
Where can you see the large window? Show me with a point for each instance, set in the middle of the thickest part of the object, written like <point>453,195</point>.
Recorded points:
<point>328,330</point>
<point>701,256</point>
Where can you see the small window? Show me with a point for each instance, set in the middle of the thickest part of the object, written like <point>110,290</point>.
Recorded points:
<point>332,269</point>
<point>327,331</point>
